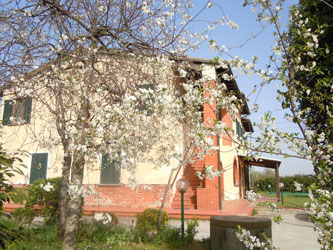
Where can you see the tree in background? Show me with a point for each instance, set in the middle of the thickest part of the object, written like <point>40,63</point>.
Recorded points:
<point>311,46</point>
<point>259,175</point>
<point>303,62</point>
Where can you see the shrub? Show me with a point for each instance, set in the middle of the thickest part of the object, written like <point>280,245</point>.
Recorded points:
<point>23,215</point>
<point>97,231</point>
<point>10,233</point>
<point>170,236</point>
<point>94,231</point>
<point>173,238</point>
<point>268,184</point>
<point>45,194</point>
<point>191,229</point>
<point>148,220</point>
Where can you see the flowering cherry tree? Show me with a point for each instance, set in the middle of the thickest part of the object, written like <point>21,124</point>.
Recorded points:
<point>107,78</point>
<point>301,57</point>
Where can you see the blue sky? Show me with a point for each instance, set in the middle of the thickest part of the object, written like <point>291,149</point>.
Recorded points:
<point>259,47</point>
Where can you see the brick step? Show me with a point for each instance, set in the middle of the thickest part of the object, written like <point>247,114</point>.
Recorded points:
<point>187,194</point>
<point>186,199</point>
<point>186,206</point>
<point>191,198</point>
<point>193,179</point>
<point>198,162</point>
<point>190,191</point>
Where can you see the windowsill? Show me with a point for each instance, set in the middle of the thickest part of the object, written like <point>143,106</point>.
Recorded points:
<point>102,185</point>
<point>16,124</point>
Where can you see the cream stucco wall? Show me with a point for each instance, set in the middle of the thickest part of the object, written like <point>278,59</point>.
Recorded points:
<point>227,156</point>
<point>31,138</point>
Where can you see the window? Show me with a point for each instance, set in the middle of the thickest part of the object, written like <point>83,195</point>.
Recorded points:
<point>110,172</point>
<point>38,166</point>
<point>17,111</point>
<point>239,129</point>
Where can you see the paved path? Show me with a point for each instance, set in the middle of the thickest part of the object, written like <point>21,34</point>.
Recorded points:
<point>294,233</point>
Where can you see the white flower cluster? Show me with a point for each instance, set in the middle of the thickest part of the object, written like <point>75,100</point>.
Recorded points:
<point>104,217</point>
<point>298,186</point>
<point>252,196</point>
<point>74,191</point>
<point>320,209</point>
<point>208,172</point>
<point>252,242</point>
<point>48,187</point>
<point>272,206</point>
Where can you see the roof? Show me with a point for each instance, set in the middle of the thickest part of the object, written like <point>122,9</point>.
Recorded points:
<point>231,85</point>
<point>247,125</point>
<point>262,162</point>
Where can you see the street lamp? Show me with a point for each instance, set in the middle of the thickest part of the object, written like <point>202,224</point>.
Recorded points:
<point>182,185</point>
<point>281,185</point>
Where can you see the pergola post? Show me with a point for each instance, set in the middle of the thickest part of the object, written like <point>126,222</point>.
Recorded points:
<point>277,180</point>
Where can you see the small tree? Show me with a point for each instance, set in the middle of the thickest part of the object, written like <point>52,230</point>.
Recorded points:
<point>8,236</point>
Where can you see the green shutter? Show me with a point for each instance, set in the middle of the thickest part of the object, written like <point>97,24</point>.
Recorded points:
<point>27,109</point>
<point>38,166</point>
<point>110,174</point>
<point>7,112</point>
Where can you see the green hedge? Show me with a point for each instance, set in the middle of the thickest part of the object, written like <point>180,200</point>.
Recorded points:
<point>268,184</point>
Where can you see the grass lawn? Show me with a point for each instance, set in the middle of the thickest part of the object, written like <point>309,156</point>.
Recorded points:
<point>99,236</point>
<point>117,246</point>
<point>289,201</point>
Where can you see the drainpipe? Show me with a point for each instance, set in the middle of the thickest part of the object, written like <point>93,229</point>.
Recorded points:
<point>220,178</point>
<point>219,117</point>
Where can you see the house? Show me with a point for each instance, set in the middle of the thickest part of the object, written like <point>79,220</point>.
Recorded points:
<point>22,116</point>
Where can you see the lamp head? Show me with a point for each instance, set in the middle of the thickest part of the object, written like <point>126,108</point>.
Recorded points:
<point>182,185</point>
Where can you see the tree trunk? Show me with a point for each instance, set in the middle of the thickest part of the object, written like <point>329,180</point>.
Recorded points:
<point>74,205</point>
<point>63,196</point>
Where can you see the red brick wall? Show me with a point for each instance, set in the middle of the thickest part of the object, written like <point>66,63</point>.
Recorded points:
<point>123,196</point>
<point>226,118</point>
<point>208,197</point>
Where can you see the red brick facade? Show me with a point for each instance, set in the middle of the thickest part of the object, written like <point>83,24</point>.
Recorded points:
<point>204,195</point>
<point>123,196</point>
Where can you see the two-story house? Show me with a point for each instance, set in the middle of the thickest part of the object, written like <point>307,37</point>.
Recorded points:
<point>19,119</point>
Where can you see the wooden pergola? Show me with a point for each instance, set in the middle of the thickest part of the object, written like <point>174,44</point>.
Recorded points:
<point>266,163</point>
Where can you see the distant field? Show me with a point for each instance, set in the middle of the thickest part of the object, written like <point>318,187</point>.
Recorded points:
<point>290,201</point>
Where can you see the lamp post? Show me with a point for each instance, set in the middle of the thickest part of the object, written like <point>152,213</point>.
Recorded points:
<point>281,188</point>
<point>182,185</point>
